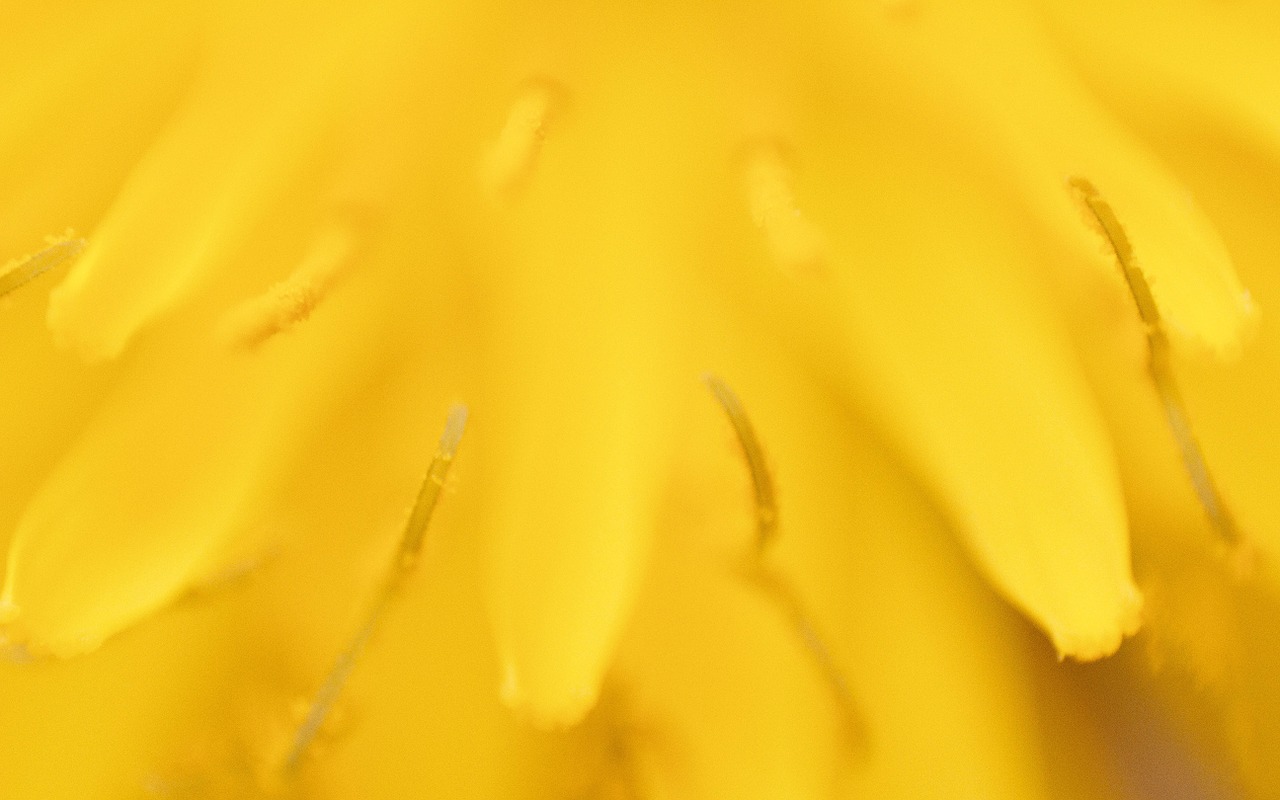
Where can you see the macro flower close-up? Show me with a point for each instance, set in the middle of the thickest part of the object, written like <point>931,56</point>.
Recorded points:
<point>582,401</point>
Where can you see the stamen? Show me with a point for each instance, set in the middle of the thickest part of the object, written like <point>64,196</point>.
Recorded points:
<point>1119,242</point>
<point>292,300</point>
<point>776,586</point>
<point>789,602</point>
<point>761,479</point>
<point>398,572</point>
<point>511,158</point>
<point>795,242</point>
<point>1161,367</point>
<point>21,271</point>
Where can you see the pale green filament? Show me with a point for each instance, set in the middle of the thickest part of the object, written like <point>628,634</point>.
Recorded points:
<point>1160,365</point>
<point>761,480</point>
<point>398,572</point>
<point>777,587</point>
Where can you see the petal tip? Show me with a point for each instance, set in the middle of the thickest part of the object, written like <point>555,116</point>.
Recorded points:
<point>1230,342</point>
<point>9,610</point>
<point>19,643</point>
<point>1084,644</point>
<point>545,709</point>
<point>9,614</point>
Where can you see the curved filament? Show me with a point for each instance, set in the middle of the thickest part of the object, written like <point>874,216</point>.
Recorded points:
<point>398,572</point>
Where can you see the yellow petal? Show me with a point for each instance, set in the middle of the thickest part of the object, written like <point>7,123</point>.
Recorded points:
<point>942,662</point>
<point>1231,405</point>
<point>1020,108</point>
<point>1205,62</point>
<point>422,704</point>
<point>935,667</point>
<point>715,695</point>
<point>84,90</point>
<point>421,709</point>
<point>914,200</point>
<point>1215,124</point>
<point>143,692</point>
<point>202,434</point>
<point>238,153</point>
<point>1211,636</point>
<point>958,354</point>
<point>576,417</point>
<point>197,699</point>
<point>45,400</point>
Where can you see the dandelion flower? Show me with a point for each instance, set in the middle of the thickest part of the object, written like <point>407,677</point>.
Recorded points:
<point>840,380</point>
